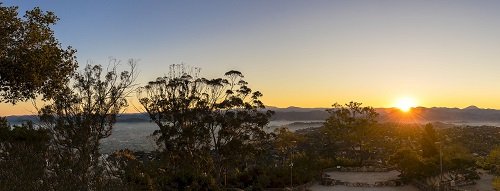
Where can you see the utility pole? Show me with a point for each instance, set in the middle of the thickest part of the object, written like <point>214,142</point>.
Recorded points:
<point>440,164</point>
<point>291,170</point>
<point>291,166</point>
<point>291,175</point>
<point>225,177</point>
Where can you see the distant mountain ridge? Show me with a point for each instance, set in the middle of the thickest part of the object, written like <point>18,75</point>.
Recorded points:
<point>418,114</point>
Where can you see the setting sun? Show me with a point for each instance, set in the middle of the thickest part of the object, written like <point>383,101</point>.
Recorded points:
<point>405,104</point>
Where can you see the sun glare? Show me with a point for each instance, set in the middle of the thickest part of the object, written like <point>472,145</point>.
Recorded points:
<point>405,104</point>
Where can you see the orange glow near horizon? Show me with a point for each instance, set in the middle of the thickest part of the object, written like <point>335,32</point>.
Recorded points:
<point>320,100</point>
<point>405,104</point>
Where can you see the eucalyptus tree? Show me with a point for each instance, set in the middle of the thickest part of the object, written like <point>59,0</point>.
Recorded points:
<point>493,162</point>
<point>428,142</point>
<point>349,125</point>
<point>32,60</point>
<point>32,63</point>
<point>79,116</point>
<point>23,150</point>
<point>206,126</point>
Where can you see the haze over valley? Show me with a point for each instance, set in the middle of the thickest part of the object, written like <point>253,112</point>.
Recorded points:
<point>224,95</point>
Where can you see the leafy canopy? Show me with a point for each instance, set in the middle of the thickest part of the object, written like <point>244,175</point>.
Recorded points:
<point>31,58</point>
<point>206,126</point>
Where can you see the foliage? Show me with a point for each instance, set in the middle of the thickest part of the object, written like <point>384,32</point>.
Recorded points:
<point>132,170</point>
<point>408,162</point>
<point>31,58</point>
<point>207,126</point>
<point>349,125</point>
<point>428,142</point>
<point>293,148</point>
<point>285,144</point>
<point>424,161</point>
<point>496,183</point>
<point>80,115</point>
<point>22,157</point>
<point>211,131</point>
<point>479,140</point>
<point>456,157</point>
<point>493,160</point>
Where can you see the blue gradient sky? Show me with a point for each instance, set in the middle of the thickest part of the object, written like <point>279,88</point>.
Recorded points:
<point>302,53</point>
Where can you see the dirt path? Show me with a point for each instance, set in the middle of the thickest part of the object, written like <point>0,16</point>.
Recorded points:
<point>366,177</point>
<point>483,184</point>
<point>317,187</point>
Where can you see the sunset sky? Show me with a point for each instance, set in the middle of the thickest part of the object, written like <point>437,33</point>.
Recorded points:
<point>300,53</point>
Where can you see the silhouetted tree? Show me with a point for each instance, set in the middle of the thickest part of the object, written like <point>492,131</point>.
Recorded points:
<point>409,164</point>
<point>349,125</point>
<point>23,152</point>
<point>79,116</point>
<point>132,173</point>
<point>207,126</point>
<point>428,142</point>
<point>32,62</point>
<point>285,143</point>
<point>496,182</point>
<point>493,160</point>
<point>31,58</point>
